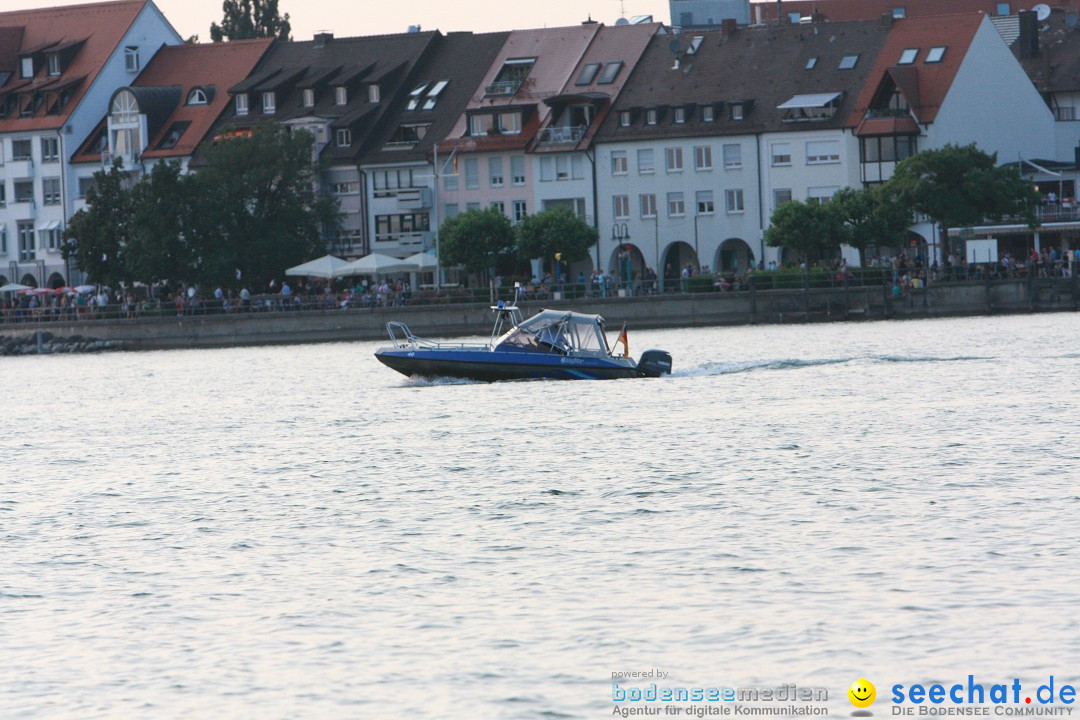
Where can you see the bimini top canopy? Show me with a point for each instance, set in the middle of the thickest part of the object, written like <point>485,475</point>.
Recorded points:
<point>558,331</point>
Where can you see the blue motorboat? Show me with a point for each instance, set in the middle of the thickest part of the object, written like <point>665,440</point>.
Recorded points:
<point>553,344</point>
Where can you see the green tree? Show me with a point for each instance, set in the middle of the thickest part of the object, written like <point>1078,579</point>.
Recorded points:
<point>872,216</point>
<point>98,236</point>
<point>162,204</point>
<point>477,239</point>
<point>962,185</point>
<point>256,209</point>
<point>808,229</point>
<point>555,230</point>
<point>247,19</point>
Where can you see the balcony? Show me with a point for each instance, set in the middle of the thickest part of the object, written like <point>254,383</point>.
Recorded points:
<point>562,135</point>
<point>504,88</point>
<point>415,199</point>
<point>20,168</point>
<point>405,240</point>
<point>22,208</point>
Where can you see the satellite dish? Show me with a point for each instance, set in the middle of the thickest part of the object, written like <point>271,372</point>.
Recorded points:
<point>1042,11</point>
<point>622,21</point>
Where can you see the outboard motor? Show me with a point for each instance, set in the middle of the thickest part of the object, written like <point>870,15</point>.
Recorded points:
<point>654,363</point>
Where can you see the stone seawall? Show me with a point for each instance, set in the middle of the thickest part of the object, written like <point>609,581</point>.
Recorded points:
<point>678,310</point>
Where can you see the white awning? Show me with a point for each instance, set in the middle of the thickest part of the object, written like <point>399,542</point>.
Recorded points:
<point>51,225</point>
<point>809,101</point>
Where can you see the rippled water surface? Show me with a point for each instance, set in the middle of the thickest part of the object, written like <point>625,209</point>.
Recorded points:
<point>299,532</point>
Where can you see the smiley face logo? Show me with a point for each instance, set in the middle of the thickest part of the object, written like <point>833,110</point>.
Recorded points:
<point>862,693</point>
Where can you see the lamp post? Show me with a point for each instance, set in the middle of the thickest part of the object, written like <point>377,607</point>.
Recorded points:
<point>697,255</point>
<point>656,237</point>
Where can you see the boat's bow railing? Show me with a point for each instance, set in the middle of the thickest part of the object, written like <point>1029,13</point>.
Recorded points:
<point>402,337</point>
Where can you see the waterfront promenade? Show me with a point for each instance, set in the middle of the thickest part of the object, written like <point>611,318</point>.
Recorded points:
<point>269,321</point>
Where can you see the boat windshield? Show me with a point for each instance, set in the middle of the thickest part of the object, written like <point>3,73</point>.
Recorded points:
<point>553,331</point>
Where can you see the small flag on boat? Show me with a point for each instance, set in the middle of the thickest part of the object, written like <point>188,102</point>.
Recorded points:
<point>622,339</point>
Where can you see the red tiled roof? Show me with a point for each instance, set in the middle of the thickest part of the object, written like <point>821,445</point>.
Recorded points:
<point>843,10</point>
<point>103,25</point>
<point>214,67</point>
<point>924,85</point>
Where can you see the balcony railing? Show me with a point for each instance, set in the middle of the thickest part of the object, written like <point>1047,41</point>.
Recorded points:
<point>556,135</point>
<point>504,87</point>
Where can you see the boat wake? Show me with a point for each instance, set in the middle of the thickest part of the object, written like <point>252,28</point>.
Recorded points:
<point>728,368</point>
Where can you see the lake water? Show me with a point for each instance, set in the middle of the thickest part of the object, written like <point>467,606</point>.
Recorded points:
<point>299,532</point>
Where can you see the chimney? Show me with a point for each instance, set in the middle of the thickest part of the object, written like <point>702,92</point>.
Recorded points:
<point>779,12</point>
<point>1028,42</point>
<point>728,26</point>
<point>323,38</point>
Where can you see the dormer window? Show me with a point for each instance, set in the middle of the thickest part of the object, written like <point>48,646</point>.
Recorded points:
<point>679,116</point>
<point>26,67</point>
<point>650,116</point>
<point>341,94</point>
<point>708,114</point>
<point>344,137</point>
<point>510,123</point>
<point>738,112</point>
<point>908,56</point>
<point>269,103</point>
<point>899,12</point>
<point>510,76</point>
<point>309,98</point>
<point>242,104</point>
<point>53,61</point>
<point>624,118</point>
<point>481,124</point>
<point>372,93</point>
<point>197,97</point>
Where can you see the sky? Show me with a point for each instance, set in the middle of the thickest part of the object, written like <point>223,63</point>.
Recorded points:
<point>357,17</point>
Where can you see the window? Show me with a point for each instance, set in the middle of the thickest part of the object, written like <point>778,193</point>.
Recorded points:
<point>781,154</point>
<point>695,44</point>
<point>650,116</point>
<point>679,116</point>
<point>899,12</point>
<point>24,191</point>
<point>50,238</point>
<point>704,201</point>
<point>309,98</point>
<point>624,118</point>
<point>648,206</point>
<point>611,70</point>
<point>547,169</point>
<point>408,134</point>
<point>820,195</point>
<point>3,200</point>
<point>588,73</point>
<point>197,97</point>
<point>451,210</point>
<point>499,205</point>
<point>734,200</point>
<point>390,227</point>
<point>645,164</point>
<point>520,210</point>
<point>577,166</point>
<point>481,124</point>
<point>50,149</point>
<point>562,167</point>
<point>821,152</point>
<point>242,104</point>
<point>908,56</point>
<point>703,157</point>
<point>21,149</point>
<point>348,187</point>
<point>618,162</point>
<point>737,111</point>
<point>372,94</point>
<point>781,196</point>
<point>495,172</point>
<point>472,174</point>
<point>131,58</point>
<point>3,234</point>
<point>673,159</point>
<point>26,241</point>
<point>1003,9</point>
<point>341,94</point>
<point>732,156</point>
<point>676,205</point>
<point>433,94</point>
<point>472,206</point>
<point>343,137</point>
<point>53,61</point>
<point>517,170</point>
<point>811,63</point>
<point>85,184</point>
<point>510,123</point>
<point>621,206</point>
<point>269,100</point>
<point>26,67</point>
<point>934,55</point>
<point>449,182</point>
<point>50,191</point>
<point>708,114</point>
<point>510,76</point>
<point>848,62</point>
<point>415,95</point>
